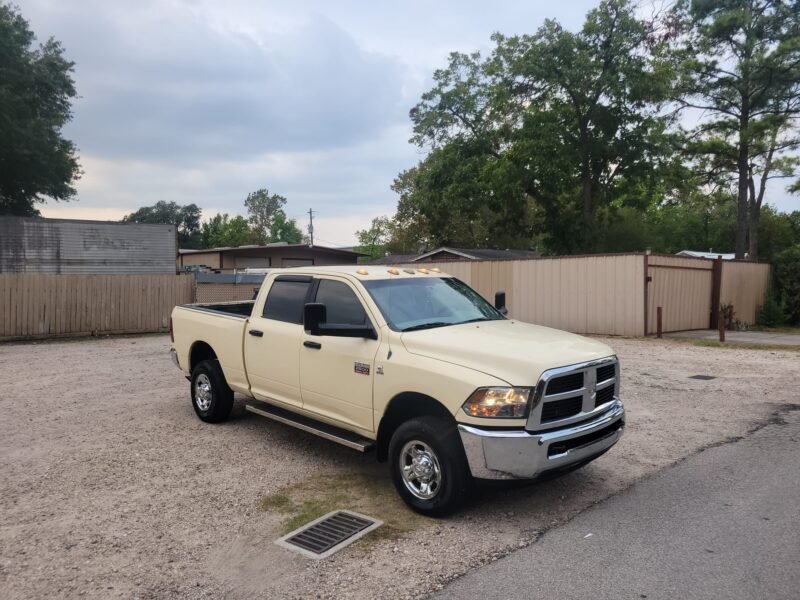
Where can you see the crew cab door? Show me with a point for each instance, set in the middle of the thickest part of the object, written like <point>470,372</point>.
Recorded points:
<point>336,372</point>
<point>272,341</point>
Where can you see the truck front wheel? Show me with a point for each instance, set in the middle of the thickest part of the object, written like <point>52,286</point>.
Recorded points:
<point>428,466</point>
<point>212,399</point>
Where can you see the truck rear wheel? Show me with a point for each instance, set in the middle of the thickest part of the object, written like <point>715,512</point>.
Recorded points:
<point>428,466</point>
<point>212,399</point>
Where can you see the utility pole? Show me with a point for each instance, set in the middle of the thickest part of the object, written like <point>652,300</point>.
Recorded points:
<point>311,227</point>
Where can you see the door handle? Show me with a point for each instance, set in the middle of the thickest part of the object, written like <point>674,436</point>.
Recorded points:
<point>313,345</point>
<point>256,333</point>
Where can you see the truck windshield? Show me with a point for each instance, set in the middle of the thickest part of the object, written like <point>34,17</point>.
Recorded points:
<point>428,302</point>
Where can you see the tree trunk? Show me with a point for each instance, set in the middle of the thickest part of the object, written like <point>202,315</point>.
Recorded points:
<point>743,166</point>
<point>755,219</point>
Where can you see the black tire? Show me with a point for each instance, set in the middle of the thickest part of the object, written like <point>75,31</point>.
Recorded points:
<point>216,406</point>
<point>436,438</point>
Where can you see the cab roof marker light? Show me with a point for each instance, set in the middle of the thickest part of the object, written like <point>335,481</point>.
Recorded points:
<point>424,271</point>
<point>409,271</point>
<point>436,270</point>
<point>362,272</point>
<point>393,271</point>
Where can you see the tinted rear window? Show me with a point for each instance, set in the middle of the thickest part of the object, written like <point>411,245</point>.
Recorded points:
<point>285,301</point>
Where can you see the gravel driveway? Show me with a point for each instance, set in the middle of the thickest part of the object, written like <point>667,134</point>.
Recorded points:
<point>111,487</point>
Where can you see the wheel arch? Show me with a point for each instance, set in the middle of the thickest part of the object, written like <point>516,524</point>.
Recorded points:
<point>401,408</point>
<point>199,352</point>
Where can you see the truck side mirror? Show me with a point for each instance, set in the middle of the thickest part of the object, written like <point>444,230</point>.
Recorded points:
<point>500,302</point>
<point>315,322</point>
<point>314,315</point>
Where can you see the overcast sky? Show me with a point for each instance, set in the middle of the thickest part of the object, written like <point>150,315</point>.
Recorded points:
<point>202,101</point>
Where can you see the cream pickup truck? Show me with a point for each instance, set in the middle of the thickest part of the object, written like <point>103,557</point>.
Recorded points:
<point>410,363</point>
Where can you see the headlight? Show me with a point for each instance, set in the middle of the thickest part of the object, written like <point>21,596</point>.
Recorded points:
<point>498,402</point>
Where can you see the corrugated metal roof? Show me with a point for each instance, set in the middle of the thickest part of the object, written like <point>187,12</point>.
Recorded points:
<point>30,245</point>
<point>698,254</point>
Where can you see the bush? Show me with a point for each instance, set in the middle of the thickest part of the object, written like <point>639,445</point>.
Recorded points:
<point>772,313</point>
<point>786,267</point>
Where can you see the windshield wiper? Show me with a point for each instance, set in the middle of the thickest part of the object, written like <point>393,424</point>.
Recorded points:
<point>427,326</point>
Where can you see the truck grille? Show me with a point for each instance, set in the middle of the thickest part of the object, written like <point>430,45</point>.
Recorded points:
<point>569,394</point>
<point>567,383</point>
<point>605,373</point>
<point>561,409</point>
<point>604,395</point>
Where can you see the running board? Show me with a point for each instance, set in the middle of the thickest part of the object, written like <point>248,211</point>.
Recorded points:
<point>323,430</point>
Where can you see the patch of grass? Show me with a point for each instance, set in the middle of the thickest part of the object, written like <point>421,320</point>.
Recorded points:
<point>775,329</point>
<point>740,345</point>
<point>370,494</point>
<point>277,503</point>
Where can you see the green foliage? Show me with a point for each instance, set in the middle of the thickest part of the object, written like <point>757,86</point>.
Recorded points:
<point>373,241</point>
<point>772,313</point>
<point>222,230</point>
<point>740,65</point>
<point>283,229</point>
<point>537,140</point>
<point>36,91</point>
<point>786,265</point>
<point>185,218</point>
<point>262,209</point>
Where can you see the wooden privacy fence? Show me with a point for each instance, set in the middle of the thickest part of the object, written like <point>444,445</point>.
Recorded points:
<point>617,294</point>
<point>35,305</point>
<point>613,294</point>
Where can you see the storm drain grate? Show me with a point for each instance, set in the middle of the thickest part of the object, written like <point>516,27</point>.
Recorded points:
<point>329,533</point>
<point>703,377</point>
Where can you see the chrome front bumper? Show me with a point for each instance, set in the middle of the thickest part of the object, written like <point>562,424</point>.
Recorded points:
<point>519,454</point>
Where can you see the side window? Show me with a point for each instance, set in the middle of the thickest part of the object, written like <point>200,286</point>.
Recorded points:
<point>285,301</point>
<point>344,308</point>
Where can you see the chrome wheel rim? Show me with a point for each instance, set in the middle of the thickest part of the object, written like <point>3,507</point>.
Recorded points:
<point>202,392</point>
<point>420,470</point>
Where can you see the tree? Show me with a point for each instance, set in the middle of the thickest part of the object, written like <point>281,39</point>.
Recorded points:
<point>567,121</point>
<point>36,90</point>
<point>741,67</point>
<point>284,229</point>
<point>185,218</point>
<point>373,240</point>
<point>262,208</point>
<point>223,231</point>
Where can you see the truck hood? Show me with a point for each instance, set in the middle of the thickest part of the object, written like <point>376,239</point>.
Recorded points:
<point>515,352</point>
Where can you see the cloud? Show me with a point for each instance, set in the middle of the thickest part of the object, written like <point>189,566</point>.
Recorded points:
<point>163,80</point>
<point>346,187</point>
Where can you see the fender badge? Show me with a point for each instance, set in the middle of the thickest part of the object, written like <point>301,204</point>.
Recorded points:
<point>378,370</point>
<point>361,368</point>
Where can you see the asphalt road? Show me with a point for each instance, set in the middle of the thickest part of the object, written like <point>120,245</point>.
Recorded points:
<point>724,524</point>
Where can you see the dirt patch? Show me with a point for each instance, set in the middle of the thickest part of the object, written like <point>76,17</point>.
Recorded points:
<point>369,494</point>
<point>111,487</point>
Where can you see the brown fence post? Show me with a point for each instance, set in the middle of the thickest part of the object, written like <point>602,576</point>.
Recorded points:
<point>721,325</point>
<point>716,292</point>
<point>659,329</point>
<point>646,282</point>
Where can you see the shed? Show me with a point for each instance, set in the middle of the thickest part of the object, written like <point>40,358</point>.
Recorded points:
<point>262,257</point>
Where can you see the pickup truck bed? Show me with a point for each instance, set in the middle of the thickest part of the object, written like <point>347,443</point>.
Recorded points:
<point>235,309</point>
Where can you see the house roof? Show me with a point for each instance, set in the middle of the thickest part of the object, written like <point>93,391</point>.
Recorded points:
<point>465,253</point>
<point>394,259</point>
<point>480,253</point>
<point>698,254</point>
